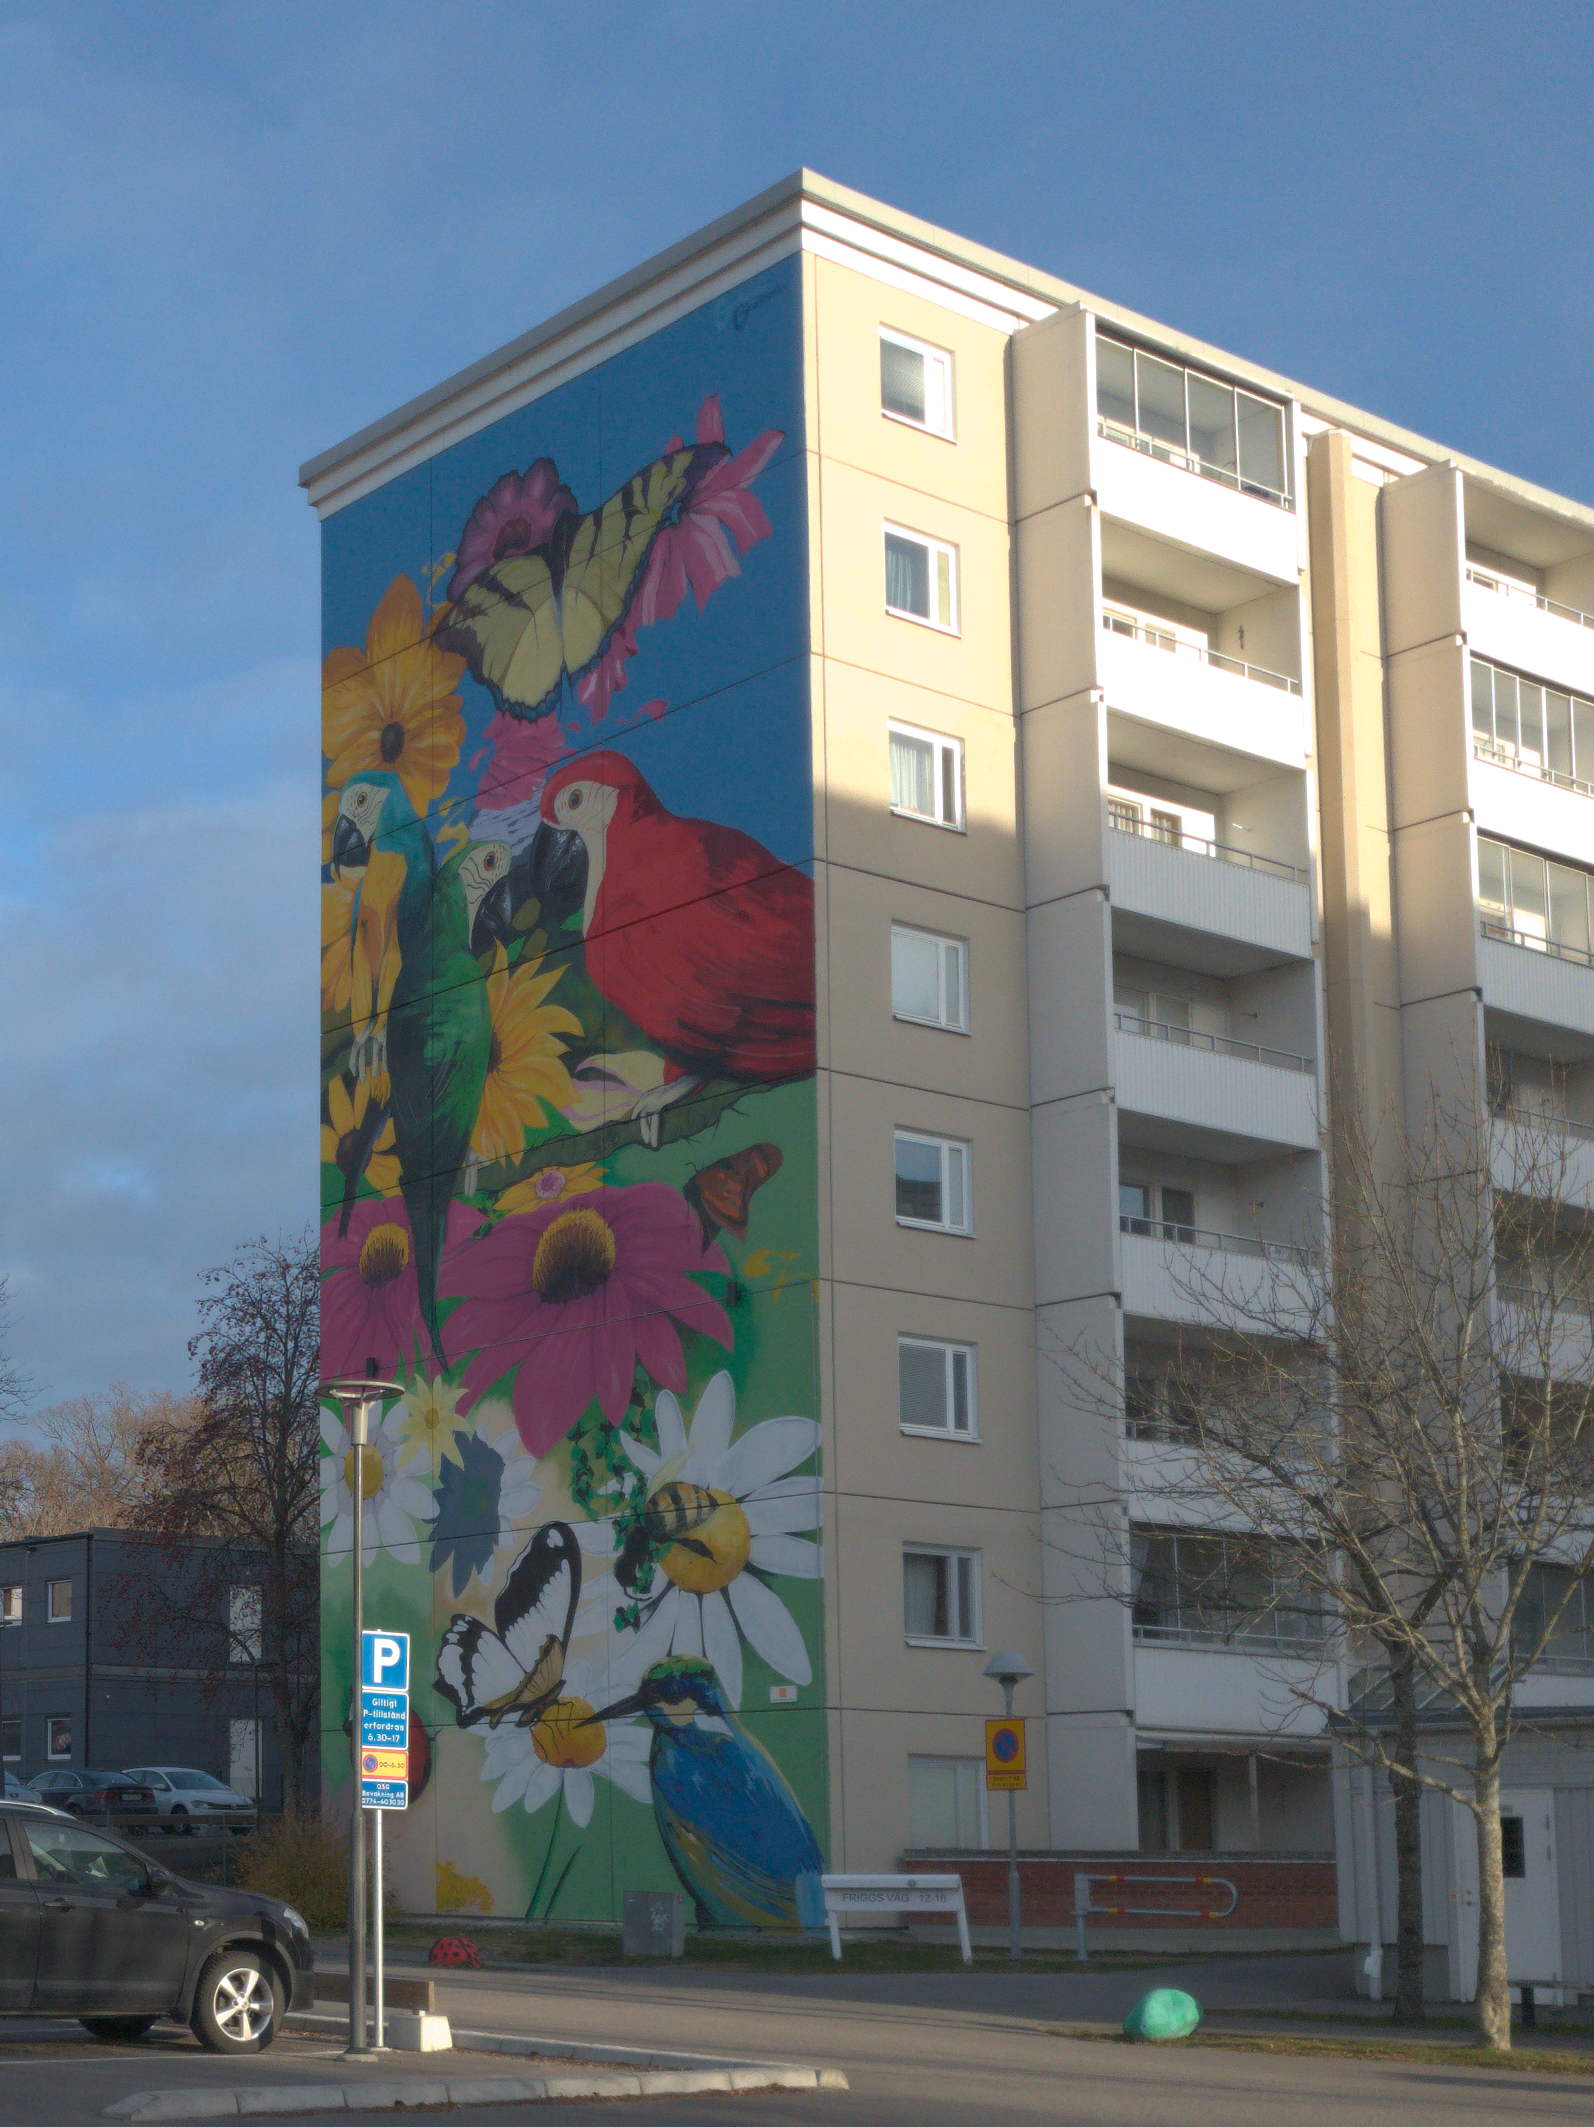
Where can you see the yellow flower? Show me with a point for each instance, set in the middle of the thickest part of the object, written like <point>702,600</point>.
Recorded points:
<point>392,705</point>
<point>428,1418</point>
<point>342,1135</point>
<point>550,1185</point>
<point>337,955</point>
<point>459,1893</point>
<point>526,1075</point>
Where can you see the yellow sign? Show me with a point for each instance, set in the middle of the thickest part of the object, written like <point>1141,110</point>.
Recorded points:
<point>1005,1765</point>
<point>384,1764</point>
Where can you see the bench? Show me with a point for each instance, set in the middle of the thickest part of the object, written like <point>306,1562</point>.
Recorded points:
<point>401,1990</point>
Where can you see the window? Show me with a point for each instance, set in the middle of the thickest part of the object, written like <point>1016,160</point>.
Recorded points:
<point>941,1596</point>
<point>935,1387</point>
<point>243,1624</point>
<point>11,1605</point>
<point>1158,823</point>
<point>1157,1210</point>
<point>946,1802</point>
<point>927,776</point>
<point>1244,1591</point>
<point>71,1853</point>
<point>929,978</point>
<point>1191,420</point>
<point>1163,1014</point>
<point>1556,1592</point>
<point>58,1737</point>
<point>60,1602</point>
<point>916,382</point>
<point>1513,1848</point>
<point>1528,900</point>
<point>1534,729</point>
<point>933,1183</point>
<point>1159,1404</point>
<point>11,1743</point>
<point>921,579</point>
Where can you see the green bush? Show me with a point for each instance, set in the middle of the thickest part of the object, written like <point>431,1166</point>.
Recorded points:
<point>300,1858</point>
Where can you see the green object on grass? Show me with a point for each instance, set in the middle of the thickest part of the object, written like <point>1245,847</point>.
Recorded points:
<point>1164,2013</point>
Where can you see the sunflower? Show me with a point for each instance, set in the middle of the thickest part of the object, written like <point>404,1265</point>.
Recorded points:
<point>392,705</point>
<point>342,1134</point>
<point>526,1074</point>
<point>550,1185</point>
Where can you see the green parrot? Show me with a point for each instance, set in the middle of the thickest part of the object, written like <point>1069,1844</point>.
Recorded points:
<point>439,1044</point>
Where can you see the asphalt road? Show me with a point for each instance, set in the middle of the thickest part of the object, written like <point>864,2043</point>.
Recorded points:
<point>938,2050</point>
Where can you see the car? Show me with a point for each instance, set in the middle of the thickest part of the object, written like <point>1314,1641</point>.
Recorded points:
<point>93,1929</point>
<point>92,1792</point>
<point>15,1791</point>
<point>185,1796</point>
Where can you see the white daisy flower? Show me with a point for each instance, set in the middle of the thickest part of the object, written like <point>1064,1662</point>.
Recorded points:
<point>564,1750</point>
<point>716,1575</point>
<point>395,1498</point>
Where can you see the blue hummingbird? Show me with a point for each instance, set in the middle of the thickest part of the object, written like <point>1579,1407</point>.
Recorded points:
<point>734,1831</point>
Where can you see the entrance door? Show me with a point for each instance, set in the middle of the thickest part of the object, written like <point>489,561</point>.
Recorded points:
<point>1532,1891</point>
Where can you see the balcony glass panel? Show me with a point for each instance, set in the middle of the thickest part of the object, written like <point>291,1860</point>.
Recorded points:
<point>1212,425</point>
<point>1261,427</point>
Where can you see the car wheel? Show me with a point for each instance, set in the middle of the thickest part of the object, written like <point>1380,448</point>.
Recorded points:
<point>238,2004</point>
<point>117,2030</point>
<point>186,1826</point>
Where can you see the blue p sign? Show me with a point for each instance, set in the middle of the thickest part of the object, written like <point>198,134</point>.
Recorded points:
<point>385,1661</point>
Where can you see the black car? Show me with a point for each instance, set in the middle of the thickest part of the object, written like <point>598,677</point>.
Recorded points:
<point>93,1793</point>
<point>89,1928</point>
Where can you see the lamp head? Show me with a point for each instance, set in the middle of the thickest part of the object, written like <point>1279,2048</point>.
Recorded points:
<point>1008,1666</point>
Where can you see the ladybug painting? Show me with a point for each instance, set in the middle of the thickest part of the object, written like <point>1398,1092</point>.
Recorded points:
<point>454,1950</point>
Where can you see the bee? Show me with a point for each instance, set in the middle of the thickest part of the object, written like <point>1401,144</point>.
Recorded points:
<point>670,1516</point>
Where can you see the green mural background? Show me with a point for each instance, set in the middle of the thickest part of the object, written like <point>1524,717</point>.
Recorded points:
<point>569,1136</point>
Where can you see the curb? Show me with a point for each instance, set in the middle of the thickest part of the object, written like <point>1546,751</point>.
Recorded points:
<point>461,2090</point>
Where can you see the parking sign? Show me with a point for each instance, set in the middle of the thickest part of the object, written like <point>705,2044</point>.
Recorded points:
<point>385,1661</point>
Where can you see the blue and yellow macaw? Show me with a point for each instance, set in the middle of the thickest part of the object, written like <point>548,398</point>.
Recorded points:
<point>734,1831</point>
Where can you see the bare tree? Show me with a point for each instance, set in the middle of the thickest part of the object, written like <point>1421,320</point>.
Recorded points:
<point>1394,1439</point>
<point>83,1464</point>
<point>14,1384</point>
<point>246,1475</point>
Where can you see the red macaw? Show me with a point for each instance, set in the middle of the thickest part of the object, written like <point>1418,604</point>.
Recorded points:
<point>707,939</point>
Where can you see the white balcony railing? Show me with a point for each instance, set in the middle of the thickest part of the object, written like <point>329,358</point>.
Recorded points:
<point>1174,454</point>
<point>1199,846</point>
<point>1160,639</point>
<point>1506,589</point>
<point>1499,756</point>
<point>1213,1044</point>
<point>1535,942</point>
<point>1233,1244</point>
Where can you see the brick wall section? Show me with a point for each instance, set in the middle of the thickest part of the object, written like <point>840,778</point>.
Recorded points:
<point>1292,1892</point>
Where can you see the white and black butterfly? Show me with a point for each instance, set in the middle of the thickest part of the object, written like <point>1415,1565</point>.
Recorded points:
<point>517,1670</point>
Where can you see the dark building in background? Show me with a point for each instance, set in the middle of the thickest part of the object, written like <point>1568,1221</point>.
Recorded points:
<point>117,1651</point>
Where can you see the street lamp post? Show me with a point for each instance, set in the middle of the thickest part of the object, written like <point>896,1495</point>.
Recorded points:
<point>358,1398</point>
<point>1009,1668</point>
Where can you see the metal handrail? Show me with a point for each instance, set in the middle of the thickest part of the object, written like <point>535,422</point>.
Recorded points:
<point>1200,846</point>
<point>1523,1292</point>
<point>1507,757</point>
<point>1488,582</point>
<point>1084,1905</point>
<point>1234,1244</point>
<point>1145,631</point>
<point>1503,934</point>
<point>1540,1119</point>
<point>1244,1638</point>
<point>1214,1044</point>
<point>1170,454</point>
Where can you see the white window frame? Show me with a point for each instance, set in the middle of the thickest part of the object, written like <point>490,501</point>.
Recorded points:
<point>934,548</point>
<point>976,1597</point>
<point>958,948</point>
<point>944,1146</point>
<point>944,748</point>
<point>52,1615</point>
<point>11,1757</point>
<point>10,1610</point>
<point>947,1347</point>
<point>245,1618</point>
<point>53,1756</point>
<point>938,366</point>
<point>976,1767</point>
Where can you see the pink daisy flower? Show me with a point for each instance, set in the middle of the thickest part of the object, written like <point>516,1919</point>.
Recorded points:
<point>515,516</point>
<point>575,1296</point>
<point>370,1299</point>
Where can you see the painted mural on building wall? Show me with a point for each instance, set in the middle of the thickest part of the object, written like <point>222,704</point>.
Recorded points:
<point>568,1133</point>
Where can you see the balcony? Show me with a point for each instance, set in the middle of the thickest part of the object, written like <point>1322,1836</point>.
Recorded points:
<point>1536,979</point>
<point>1521,627</point>
<point>1223,1099</point>
<point>1178,1273</point>
<point>1158,678</point>
<point>1206,1688</point>
<point>1241,911</point>
<point>1536,1153</point>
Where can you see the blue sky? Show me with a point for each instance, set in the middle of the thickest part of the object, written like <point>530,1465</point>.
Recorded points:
<point>235,234</point>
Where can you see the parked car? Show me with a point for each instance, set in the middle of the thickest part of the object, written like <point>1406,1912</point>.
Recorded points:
<point>184,1796</point>
<point>92,1792</point>
<point>91,1928</point>
<point>15,1790</point>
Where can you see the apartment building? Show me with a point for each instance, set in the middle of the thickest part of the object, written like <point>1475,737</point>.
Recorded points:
<point>1077,736</point>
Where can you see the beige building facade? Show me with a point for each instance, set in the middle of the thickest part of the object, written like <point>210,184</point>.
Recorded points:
<point>1177,732</point>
